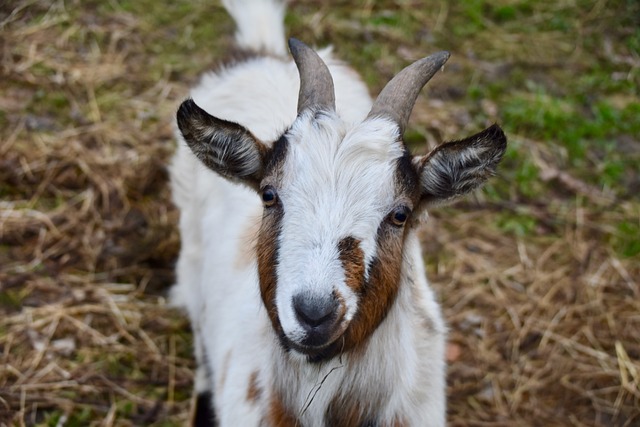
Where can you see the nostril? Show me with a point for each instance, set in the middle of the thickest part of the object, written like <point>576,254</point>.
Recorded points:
<point>315,312</point>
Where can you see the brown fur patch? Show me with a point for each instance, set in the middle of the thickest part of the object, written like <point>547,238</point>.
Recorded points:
<point>352,259</point>
<point>376,295</point>
<point>279,415</point>
<point>266,245</point>
<point>267,252</point>
<point>379,292</point>
<point>254,391</point>
<point>344,412</point>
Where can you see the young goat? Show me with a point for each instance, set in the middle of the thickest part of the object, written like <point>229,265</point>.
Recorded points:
<point>300,267</point>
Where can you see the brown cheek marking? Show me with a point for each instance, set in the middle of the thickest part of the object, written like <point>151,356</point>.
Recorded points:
<point>267,244</point>
<point>352,259</point>
<point>376,296</point>
<point>279,415</point>
<point>379,292</point>
<point>254,391</point>
<point>267,252</point>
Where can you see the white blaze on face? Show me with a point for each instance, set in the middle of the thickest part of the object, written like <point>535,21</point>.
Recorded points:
<point>335,183</point>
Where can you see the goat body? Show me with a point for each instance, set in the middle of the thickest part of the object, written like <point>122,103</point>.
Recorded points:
<point>310,307</point>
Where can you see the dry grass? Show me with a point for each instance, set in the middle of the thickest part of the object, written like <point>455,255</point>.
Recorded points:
<point>545,324</point>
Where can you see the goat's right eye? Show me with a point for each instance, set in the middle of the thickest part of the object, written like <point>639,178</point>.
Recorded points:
<point>399,216</point>
<point>269,196</point>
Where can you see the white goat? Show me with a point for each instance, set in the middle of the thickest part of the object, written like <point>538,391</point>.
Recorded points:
<point>300,266</point>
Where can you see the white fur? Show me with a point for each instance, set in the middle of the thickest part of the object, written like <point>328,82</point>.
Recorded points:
<point>339,182</point>
<point>255,21</point>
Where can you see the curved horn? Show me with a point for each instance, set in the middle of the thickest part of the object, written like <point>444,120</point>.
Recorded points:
<point>399,95</point>
<point>316,84</point>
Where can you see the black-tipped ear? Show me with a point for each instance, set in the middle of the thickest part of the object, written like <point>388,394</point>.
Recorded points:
<point>224,147</point>
<point>459,167</point>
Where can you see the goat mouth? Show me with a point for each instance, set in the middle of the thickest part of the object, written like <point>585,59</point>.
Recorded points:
<point>314,352</point>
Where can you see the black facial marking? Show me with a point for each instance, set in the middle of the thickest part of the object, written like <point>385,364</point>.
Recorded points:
<point>275,156</point>
<point>407,178</point>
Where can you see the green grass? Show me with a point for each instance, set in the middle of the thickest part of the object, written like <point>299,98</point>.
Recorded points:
<point>185,34</point>
<point>586,136</point>
<point>518,224</point>
<point>626,239</point>
<point>11,299</point>
<point>580,111</point>
<point>78,418</point>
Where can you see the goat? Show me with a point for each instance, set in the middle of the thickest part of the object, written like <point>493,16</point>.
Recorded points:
<point>300,267</point>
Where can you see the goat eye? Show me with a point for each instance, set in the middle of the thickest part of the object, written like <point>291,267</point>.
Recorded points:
<point>269,196</point>
<point>399,216</point>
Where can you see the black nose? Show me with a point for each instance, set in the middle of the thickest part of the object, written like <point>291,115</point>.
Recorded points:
<point>315,314</point>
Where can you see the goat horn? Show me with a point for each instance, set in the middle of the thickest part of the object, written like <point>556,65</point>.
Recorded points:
<point>399,95</point>
<point>316,84</point>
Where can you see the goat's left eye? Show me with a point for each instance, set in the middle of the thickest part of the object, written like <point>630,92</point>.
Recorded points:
<point>400,215</point>
<point>269,196</point>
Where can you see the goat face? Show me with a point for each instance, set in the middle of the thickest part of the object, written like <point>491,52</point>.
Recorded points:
<point>329,247</point>
<point>338,201</point>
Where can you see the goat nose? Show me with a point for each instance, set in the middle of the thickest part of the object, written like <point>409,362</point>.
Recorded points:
<point>313,312</point>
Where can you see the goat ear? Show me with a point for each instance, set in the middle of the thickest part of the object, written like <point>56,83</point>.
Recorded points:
<point>226,148</point>
<point>459,167</point>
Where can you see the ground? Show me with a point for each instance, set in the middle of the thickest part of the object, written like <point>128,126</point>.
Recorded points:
<point>538,274</point>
